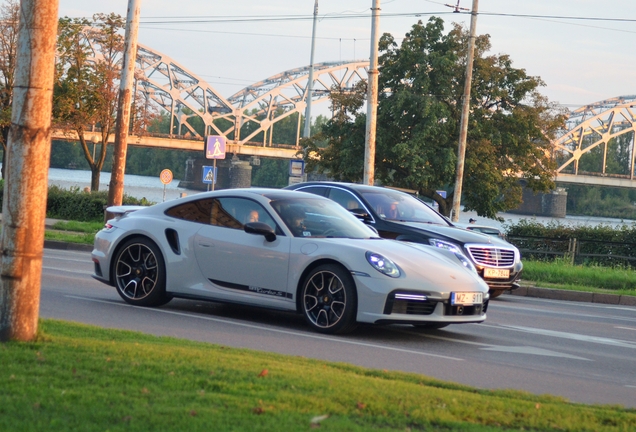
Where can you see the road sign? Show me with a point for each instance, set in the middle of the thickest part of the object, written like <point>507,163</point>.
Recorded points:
<point>209,175</point>
<point>296,167</point>
<point>215,147</point>
<point>165,176</point>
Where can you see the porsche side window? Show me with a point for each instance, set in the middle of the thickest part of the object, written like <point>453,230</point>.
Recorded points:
<point>193,211</point>
<point>236,212</point>
<point>224,213</point>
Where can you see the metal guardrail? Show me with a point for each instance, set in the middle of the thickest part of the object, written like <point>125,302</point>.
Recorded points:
<point>576,250</point>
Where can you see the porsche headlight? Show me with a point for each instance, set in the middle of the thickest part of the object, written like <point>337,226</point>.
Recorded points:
<point>383,265</point>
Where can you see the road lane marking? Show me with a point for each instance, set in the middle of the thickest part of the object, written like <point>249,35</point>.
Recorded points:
<point>566,303</point>
<point>533,351</point>
<point>273,330</point>
<point>624,328</point>
<point>67,271</point>
<point>509,349</point>
<point>61,258</point>
<point>572,336</point>
<point>563,313</point>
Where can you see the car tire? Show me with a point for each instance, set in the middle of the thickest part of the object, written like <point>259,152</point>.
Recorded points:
<point>431,325</point>
<point>139,273</point>
<point>328,299</point>
<point>496,293</point>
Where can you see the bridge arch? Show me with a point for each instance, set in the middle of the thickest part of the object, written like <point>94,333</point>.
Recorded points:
<point>196,108</point>
<point>599,140</point>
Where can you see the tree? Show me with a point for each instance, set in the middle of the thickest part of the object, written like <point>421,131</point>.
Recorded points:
<point>419,108</point>
<point>9,22</point>
<point>86,87</point>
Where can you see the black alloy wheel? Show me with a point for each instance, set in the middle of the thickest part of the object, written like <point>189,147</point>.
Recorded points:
<point>139,271</point>
<point>328,299</point>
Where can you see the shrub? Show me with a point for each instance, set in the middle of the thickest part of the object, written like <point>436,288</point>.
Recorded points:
<point>600,244</point>
<point>74,204</point>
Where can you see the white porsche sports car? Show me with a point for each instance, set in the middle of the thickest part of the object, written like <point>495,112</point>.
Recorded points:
<point>284,250</point>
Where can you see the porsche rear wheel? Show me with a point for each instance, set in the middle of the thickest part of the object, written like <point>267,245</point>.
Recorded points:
<point>328,299</point>
<point>140,274</point>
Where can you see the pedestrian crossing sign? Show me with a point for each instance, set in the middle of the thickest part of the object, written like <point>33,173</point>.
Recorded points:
<point>215,147</point>
<point>209,175</point>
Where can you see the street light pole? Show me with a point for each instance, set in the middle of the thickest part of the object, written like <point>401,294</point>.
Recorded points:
<point>463,128</point>
<point>372,99</point>
<point>116,186</point>
<point>310,83</point>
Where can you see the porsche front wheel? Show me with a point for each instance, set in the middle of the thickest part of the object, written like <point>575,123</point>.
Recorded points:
<point>328,299</point>
<point>139,273</point>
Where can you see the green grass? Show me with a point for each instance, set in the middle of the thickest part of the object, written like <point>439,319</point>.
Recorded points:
<point>73,231</point>
<point>77,377</point>
<point>591,278</point>
<point>75,226</point>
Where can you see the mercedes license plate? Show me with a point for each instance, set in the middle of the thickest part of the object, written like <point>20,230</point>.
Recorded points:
<point>466,298</point>
<point>497,273</point>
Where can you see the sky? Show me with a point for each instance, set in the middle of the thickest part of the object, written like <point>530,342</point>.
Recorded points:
<point>584,50</point>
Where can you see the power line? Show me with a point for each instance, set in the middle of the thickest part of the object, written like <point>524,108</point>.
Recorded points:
<point>251,34</point>
<point>275,18</point>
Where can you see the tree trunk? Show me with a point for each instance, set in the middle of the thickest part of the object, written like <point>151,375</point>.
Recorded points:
<point>95,172</point>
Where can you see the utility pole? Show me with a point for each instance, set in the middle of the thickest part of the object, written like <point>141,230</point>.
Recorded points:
<point>310,83</point>
<point>26,183</point>
<point>116,186</point>
<point>463,128</point>
<point>372,99</point>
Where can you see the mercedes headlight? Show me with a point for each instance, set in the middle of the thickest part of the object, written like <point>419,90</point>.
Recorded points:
<point>465,262</point>
<point>452,247</point>
<point>446,245</point>
<point>383,265</point>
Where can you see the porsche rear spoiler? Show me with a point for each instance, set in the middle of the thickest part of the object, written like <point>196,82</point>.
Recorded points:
<point>122,210</point>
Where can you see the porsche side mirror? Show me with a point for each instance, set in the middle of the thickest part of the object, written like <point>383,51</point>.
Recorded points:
<point>260,228</point>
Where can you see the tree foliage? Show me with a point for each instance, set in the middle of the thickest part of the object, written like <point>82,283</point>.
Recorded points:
<point>86,92</point>
<point>9,23</point>
<point>419,108</point>
<point>86,72</point>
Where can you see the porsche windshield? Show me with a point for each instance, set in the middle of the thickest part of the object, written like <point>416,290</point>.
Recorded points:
<point>311,217</point>
<point>399,206</point>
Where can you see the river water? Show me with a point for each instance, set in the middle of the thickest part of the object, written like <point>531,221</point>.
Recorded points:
<point>152,189</point>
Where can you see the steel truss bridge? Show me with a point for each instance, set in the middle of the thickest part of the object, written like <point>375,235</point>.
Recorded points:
<point>598,145</point>
<point>247,118</point>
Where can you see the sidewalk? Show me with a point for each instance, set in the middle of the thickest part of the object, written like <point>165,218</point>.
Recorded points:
<point>579,296</point>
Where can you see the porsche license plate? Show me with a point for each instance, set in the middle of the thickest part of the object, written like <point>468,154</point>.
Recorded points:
<point>466,298</point>
<point>497,273</point>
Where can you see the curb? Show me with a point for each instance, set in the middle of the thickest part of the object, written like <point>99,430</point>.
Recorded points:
<point>60,245</point>
<point>580,296</point>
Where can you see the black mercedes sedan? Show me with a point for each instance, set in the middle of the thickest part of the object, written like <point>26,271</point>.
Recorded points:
<point>401,216</point>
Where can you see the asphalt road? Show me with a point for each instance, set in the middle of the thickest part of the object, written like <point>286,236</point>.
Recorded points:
<point>585,352</point>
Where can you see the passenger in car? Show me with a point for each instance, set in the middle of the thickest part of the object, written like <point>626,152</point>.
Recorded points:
<point>252,216</point>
